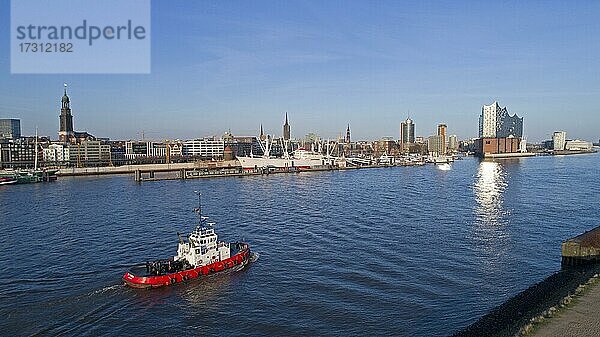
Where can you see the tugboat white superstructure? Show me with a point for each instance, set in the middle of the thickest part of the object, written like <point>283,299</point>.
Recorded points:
<point>202,254</point>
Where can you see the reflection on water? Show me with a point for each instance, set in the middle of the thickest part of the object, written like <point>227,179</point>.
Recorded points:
<point>489,187</point>
<point>207,289</point>
<point>491,234</point>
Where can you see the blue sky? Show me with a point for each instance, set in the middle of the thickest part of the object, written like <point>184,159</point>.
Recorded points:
<point>235,64</point>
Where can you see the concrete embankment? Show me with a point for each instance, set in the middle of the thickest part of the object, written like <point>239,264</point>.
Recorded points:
<point>519,315</point>
<point>570,152</point>
<point>127,169</point>
<point>200,169</point>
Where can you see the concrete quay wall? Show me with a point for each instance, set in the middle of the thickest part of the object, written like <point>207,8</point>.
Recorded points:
<point>125,169</point>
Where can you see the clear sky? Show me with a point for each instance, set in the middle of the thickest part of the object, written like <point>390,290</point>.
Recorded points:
<point>219,65</point>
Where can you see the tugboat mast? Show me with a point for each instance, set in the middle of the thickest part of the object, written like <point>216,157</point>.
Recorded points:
<point>198,210</point>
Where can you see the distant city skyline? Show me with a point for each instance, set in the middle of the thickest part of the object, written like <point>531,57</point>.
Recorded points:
<point>237,65</point>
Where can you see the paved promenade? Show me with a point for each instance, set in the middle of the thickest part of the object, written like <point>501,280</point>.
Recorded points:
<point>581,319</point>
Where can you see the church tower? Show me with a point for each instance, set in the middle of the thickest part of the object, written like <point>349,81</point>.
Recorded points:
<point>348,134</point>
<point>262,136</point>
<point>65,133</point>
<point>286,128</point>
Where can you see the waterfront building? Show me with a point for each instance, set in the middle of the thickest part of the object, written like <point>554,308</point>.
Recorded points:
<point>10,128</point>
<point>547,144</point>
<point>578,145</point>
<point>286,129</point>
<point>136,149</point>
<point>452,143</point>
<point>89,153</point>
<point>485,146</point>
<point>18,153</point>
<point>117,152</point>
<point>386,145</point>
<point>499,132</point>
<point>496,122</point>
<point>56,154</point>
<point>434,144</point>
<point>441,132</point>
<point>407,133</point>
<point>204,148</point>
<point>468,145</point>
<point>245,146</point>
<point>228,153</point>
<point>559,139</point>
<point>420,140</point>
<point>175,148</point>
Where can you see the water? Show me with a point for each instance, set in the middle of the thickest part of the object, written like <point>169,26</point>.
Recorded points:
<point>412,251</point>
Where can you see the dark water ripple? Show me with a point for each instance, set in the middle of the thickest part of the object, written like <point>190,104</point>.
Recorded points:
<point>399,251</point>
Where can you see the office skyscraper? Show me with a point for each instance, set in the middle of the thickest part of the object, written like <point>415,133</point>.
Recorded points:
<point>407,132</point>
<point>10,128</point>
<point>442,138</point>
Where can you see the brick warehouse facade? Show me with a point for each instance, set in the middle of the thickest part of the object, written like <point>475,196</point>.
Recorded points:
<point>485,146</point>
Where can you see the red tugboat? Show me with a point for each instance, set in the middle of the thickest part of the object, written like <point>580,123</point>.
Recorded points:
<point>201,255</point>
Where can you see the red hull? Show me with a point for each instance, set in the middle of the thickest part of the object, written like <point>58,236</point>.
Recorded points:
<point>239,259</point>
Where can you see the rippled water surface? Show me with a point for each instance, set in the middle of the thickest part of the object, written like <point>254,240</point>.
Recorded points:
<point>411,251</point>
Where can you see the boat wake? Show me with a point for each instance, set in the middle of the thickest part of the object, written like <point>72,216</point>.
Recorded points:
<point>105,289</point>
<point>444,167</point>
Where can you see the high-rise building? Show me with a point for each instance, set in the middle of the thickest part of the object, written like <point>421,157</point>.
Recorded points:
<point>66,132</point>
<point>407,132</point>
<point>559,139</point>
<point>286,129</point>
<point>441,132</point>
<point>434,145</point>
<point>496,122</point>
<point>452,143</point>
<point>10,128</point>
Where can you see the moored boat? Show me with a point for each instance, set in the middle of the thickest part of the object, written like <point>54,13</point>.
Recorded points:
<point>299,159</point>
<point>200,255</point>
<point>7,178</point>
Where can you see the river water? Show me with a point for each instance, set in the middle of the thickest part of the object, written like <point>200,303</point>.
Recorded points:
<point>407,251</point>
